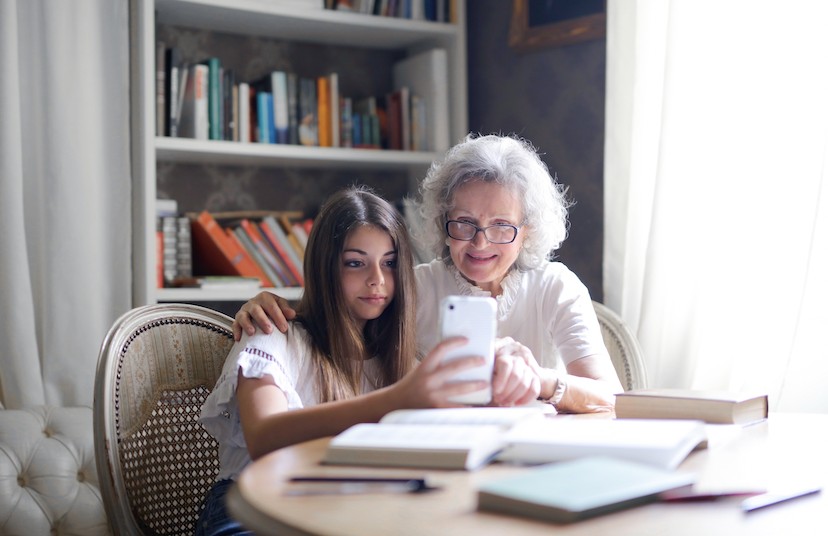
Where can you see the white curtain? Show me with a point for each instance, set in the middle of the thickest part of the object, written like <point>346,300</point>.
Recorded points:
<point>64,194</point>
<point>716,229</point>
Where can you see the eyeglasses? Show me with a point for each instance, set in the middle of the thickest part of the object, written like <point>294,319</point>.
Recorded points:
<point>501,233</point>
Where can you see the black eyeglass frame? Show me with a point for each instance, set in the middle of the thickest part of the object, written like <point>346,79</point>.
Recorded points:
<point>477,229</point>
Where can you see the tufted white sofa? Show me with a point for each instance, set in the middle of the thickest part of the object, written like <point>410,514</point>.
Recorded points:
<point>48,480</point>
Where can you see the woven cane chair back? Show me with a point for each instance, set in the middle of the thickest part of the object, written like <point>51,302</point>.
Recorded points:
<point>623,348</point>
<point>156,462</point>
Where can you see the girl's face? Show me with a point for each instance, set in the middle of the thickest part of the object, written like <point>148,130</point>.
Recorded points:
<point>369,271</point>
<point>485,204</point>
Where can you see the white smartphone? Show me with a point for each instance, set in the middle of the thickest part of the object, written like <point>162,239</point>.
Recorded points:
<point>473,317</point>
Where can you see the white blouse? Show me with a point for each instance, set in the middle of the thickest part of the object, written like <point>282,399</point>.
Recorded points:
<point>286,357</point>
<point>547,309</point>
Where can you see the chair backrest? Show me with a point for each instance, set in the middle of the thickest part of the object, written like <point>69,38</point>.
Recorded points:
<point>155,461</point>
<point>623,348</point>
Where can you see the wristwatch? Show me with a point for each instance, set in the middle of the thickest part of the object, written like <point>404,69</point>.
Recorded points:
<point>560,389</point>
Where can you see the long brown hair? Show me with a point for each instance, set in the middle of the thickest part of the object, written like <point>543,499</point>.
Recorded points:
<point>339,345</point>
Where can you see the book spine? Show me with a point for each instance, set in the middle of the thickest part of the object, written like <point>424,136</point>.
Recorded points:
<point>264,120</point>
<point>247,243</point>
<point>173,91</point>
<point>244,112</point>
<point>308,113</point>
<point>277,230</point>
<point>273,264</point>
<point>279,247</point>
<point>293,108</point>
<point>248,267</point>
<point>323,97</point>
<point>160,88</point>
<point>281,115</point>
<point>333,93</point>
<point>214,98</point>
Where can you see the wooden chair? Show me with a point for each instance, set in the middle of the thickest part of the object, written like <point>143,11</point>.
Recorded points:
<point>156,462</point>
<point>623,348</point>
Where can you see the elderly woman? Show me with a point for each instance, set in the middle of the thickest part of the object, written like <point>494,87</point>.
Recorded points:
<point>494,218</point>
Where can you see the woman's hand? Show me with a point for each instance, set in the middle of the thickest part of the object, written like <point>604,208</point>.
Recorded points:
<point>262,312</point>
<point>431,384</point>
<point>516,377</point>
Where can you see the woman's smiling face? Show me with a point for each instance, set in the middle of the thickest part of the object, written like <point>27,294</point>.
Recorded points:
<point>484,204</point>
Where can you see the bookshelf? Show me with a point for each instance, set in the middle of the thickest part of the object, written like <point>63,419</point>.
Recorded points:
<point>278,21</point>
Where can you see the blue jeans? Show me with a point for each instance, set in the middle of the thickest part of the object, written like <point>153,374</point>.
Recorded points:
<point>214,519</point>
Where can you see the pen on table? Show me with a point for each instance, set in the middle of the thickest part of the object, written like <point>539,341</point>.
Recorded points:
<point>320,485</point>
<point>767,499</point>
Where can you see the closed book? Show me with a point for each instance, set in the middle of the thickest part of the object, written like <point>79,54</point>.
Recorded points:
<point>323,109</point>
<point>661,443</point>
<point>172,76</point>
<point>287,225</point>
<point>160,89</point>
<point>719,407</point>
<point>293,108</point>
<point>215,100</point>
<point>333,93</point>
<point>308,112</point>
<point>450,438</point>
<point>194,121</point>
<point>244,112</point>
<point>264,119</point>
<point>579,489</point>
<point>281,106</point>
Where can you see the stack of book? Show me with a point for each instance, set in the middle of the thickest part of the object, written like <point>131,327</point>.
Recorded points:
<point>268,246</point>
<point>174,244</point>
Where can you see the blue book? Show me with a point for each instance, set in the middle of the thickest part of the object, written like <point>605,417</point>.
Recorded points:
<point>270,124</point>
<point>569,491</point>
<point>264,117</point>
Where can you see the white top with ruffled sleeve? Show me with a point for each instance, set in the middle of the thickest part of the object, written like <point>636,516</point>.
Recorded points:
<point>286,357</point>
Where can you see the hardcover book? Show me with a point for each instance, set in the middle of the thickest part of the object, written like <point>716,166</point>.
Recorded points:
<point>194,117</point>
<point>579,489</point>
<point>720,407</point>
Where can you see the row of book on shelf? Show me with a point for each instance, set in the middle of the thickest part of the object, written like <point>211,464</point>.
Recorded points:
<point>431,10</point>
<point>257,249</point>
<point>205,100</point>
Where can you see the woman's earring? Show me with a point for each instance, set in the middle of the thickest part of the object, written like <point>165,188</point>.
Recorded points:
<point>447,241</point>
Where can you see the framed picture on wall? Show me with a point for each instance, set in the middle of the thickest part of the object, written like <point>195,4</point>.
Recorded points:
<point>552,23</point>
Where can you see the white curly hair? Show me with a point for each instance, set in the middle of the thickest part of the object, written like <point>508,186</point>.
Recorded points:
<point>506,160</point>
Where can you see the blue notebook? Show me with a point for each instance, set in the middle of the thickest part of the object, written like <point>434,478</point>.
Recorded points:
<point>569,491</point>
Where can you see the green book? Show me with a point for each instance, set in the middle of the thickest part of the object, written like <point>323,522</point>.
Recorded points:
<point>215,100</point>
<point>570,491</point>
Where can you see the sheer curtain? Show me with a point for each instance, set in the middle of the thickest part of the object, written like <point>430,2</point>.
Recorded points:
<point>64,194</point>
<point>716,248</point>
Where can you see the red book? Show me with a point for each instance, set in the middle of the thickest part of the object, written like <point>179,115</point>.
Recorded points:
<point>283,255</point>
<point>216,254</point>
